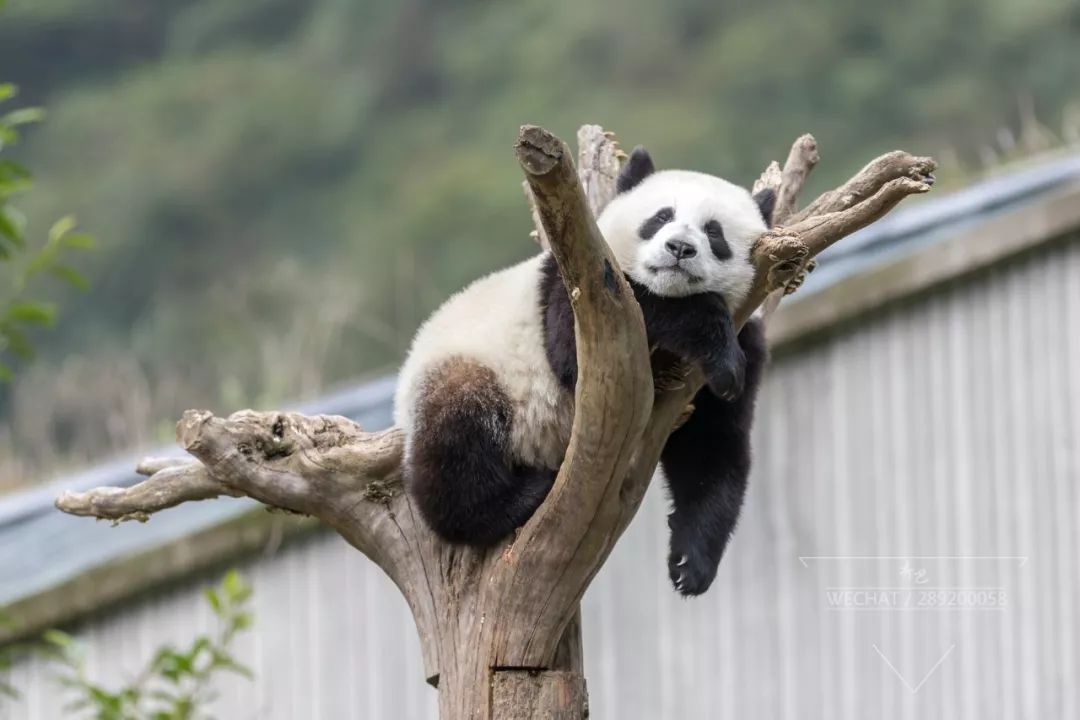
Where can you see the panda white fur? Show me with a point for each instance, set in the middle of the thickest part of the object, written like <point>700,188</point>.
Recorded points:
<point>485,396</point>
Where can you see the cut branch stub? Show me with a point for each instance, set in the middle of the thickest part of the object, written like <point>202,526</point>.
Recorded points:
<point>787,184</point>
<point>801,160</point>
<point>599,160</point>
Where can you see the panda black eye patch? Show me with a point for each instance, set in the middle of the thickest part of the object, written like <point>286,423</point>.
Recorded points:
<point>716,240</point>
<point>659,219</point>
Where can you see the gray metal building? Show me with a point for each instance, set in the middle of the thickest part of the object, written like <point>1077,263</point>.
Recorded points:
<point>908,549</point>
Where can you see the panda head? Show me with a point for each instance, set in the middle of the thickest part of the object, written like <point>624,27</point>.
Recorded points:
<point>681,233</point>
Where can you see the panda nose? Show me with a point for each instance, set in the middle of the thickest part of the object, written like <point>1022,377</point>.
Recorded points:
<point>680,249</point>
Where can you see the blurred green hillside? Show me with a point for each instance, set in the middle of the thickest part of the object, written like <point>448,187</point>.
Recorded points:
<point>283,189</point>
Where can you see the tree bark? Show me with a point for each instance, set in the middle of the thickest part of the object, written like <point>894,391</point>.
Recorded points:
<point>500,629</point>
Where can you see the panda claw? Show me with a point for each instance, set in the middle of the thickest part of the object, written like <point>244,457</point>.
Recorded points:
<point>691,572</point>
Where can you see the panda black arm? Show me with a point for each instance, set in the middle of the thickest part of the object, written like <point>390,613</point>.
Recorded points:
<point>707,464</point>
<point>700,329</point>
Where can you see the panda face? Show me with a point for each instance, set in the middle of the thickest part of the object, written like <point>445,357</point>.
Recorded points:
<point>681,233</point>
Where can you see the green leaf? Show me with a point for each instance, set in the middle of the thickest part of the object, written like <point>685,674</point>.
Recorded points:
<point>8,136</point>
<point>161,656</point>
<point>104,699</point>
<point>61,227</point>
<point>201,644</point>
<point>78,241</point>
<point>23,116</point>
<point>17,341</point>
<point>236,590</point>
<point>5,373</point>
<point>59,638</point>
<point>32,313</point>
<point>7,228</point>
<point>214,599</point>
<point>11,226</point>
<point>71,276</point>
<point>7,90</point>
<point>226,662</point>
<point>11,170</point>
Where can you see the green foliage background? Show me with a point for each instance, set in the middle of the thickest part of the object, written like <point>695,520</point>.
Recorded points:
<point>24,262</point>
<point>177,683</point>
<point>282,189</point>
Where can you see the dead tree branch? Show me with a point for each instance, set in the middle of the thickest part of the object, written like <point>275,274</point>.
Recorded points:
<point>869,181</point>
<point>500,629</point>
<point>783,254</point>
<point>171,484</point>
<point>787,184</point>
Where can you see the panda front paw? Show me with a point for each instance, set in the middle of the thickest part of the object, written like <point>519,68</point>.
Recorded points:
<point>726,375</point>
<point>691,571</point>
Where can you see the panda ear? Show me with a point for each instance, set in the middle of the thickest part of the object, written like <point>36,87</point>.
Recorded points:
<point>638,167</point>
<point>766,202</point>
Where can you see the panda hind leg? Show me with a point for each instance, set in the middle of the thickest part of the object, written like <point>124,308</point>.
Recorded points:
<point>707,464</point>
<point>458,468</point>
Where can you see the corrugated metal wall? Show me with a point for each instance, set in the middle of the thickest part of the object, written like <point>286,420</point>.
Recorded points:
<point>930,449</point>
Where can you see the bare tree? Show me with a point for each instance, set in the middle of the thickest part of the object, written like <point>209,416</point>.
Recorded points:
<point>500,628</point>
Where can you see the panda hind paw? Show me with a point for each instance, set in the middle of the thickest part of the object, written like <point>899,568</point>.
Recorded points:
<point>691,571</point>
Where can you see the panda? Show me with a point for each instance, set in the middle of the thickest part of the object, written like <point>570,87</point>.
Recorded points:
<point>486,394</point>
